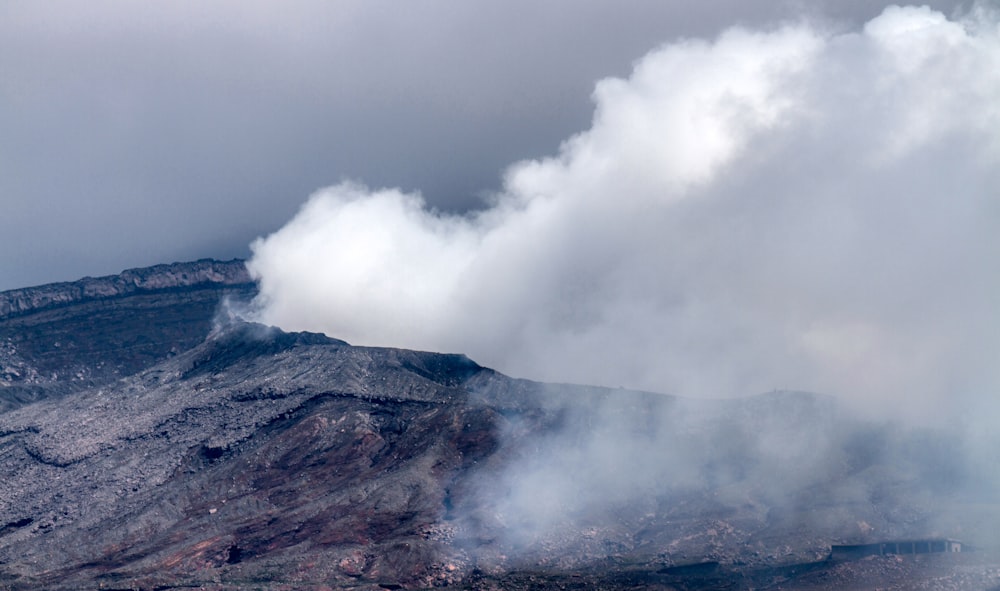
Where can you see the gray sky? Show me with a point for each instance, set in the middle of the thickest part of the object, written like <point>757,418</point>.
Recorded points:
<point>139,133</point>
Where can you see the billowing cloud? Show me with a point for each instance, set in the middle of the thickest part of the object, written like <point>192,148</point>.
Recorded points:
<point>791,208</point>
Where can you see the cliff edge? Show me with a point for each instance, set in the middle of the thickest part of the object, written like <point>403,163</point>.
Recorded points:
<point>63,337</point>
<point>205,272</point>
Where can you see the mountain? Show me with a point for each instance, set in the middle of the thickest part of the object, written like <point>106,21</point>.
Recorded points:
<point>66,337</point>
<point>150,441</point>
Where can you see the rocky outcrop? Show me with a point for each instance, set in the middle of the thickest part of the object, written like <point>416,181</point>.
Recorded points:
<point>65,337</point>
<point>256,456</point>
<point>157,278</point>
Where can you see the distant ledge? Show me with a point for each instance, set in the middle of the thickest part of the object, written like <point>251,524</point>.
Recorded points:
<point>204,272</point>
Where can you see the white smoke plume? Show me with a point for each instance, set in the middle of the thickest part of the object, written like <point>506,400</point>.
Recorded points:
<point>794,208</point>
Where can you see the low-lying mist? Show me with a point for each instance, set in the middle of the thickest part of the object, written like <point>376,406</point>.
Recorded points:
<point>773,478</point>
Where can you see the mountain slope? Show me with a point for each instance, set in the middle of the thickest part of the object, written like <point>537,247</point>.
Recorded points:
<point>65,337</point>
<point>244,457</point>
<point>251,453</point>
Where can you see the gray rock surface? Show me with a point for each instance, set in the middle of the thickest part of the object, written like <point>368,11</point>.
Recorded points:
<point>65,337</point>
<point>151,279</point>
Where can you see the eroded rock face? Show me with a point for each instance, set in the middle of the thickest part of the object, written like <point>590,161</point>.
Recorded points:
<point>151,279</point>
<point>256,456</point>
<point>237,456</point>
<point>66,337</point>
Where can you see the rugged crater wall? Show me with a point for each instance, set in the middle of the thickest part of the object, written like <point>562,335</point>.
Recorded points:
<point>67,336</point>
<point>144,446</point>
<point>267,460</point>
<point>205,272</point>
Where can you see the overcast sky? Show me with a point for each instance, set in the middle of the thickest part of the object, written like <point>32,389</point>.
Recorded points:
<point>138,133</point>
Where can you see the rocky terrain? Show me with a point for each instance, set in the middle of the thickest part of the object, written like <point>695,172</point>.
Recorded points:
<point>148,441</point>
<point>65,337</point>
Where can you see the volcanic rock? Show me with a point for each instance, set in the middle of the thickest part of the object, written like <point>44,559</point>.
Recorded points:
<point>163,444</point>
<point>65,337</point>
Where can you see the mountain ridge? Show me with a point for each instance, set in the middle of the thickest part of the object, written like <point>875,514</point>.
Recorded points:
<point>163,277</point>
<point>234,456</point>
<point>63,337</point>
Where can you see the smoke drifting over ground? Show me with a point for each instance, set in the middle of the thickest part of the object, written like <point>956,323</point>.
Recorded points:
<point>794,208</point>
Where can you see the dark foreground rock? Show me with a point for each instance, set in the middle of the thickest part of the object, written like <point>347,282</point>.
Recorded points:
<point>249,458</point>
